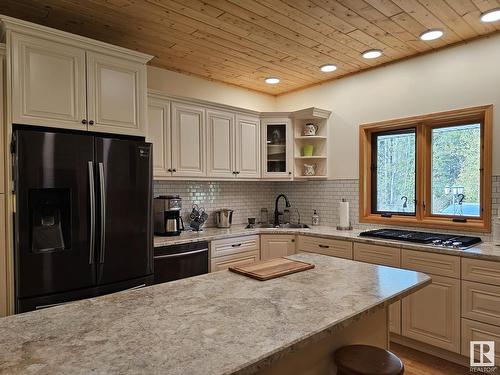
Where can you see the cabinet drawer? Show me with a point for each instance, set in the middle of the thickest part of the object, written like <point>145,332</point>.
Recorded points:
<point>223,263</point>
<point>376,254</point>
<point>335,248</point>
<point>482,271</point>
<point>481,302</point>
<point>234,245</point>
<point>436,264</point>
<point>476,331</point>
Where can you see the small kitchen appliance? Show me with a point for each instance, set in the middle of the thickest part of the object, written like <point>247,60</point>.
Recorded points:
<point>167,215</point>
<point>224,218</point>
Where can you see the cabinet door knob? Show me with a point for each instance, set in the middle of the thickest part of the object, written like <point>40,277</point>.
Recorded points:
<point>238,172</point>
<point>289,172</point>
<point>91,122</point>
<point>174,170</point>
<point>293,240</point>
<point>84,121</point>
<point>169,169</point>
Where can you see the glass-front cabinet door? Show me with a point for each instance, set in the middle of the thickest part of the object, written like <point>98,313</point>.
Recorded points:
<point>277,148</point>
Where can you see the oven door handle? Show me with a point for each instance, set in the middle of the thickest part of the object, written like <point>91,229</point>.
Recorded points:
<point>180,254</point>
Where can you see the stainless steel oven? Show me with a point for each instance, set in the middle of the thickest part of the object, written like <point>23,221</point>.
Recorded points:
<point>180,261</point>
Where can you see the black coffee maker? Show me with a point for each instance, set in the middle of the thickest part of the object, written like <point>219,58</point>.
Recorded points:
<point>167,215</point>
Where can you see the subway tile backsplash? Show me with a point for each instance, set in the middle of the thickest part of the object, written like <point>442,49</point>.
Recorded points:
<point>246,198</point>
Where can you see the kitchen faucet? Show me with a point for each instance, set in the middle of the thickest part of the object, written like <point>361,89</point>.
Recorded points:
<point>276,212</point>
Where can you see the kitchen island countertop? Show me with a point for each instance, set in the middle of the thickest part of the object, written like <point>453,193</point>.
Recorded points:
<point>218,323</point>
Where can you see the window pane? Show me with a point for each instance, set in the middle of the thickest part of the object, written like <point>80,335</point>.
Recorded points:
<point>456,159</point>
<point>395,172</point>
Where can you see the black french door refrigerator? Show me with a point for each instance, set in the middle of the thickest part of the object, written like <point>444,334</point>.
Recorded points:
<point>83,216</point>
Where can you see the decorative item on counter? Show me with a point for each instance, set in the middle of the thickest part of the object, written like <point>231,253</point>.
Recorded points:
<point>309,169</point>
<point>264,216</point>
<point>344,222</point>
<point>251,223</point>
<point>496,229</point>
<point>310,129</point>
<point>308,150</point>
<point>315,218</point>
<point>198,218</point>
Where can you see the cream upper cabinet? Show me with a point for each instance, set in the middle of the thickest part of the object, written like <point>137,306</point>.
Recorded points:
<point>48,83</point>
<point>64,80</point>
<point>220,144</point>
<point>116,94</point>
<point>277,148</point>
<point>247,147</point>
<point>188,141</point>
<point>158,133</point>
<point>277,245</point>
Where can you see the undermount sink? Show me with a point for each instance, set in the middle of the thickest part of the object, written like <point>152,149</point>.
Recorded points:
<point>283,226</point>
<point>289,225</point>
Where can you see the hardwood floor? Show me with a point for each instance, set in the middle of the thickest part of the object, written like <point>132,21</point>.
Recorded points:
<point>418,363</point>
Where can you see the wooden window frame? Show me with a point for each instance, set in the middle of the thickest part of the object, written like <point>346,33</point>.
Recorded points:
<point>424,125</point>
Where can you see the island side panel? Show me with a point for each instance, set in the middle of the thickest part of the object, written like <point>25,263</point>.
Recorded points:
<point>371,328</point>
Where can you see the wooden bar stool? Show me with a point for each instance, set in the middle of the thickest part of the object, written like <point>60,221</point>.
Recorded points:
<point>367,360</point>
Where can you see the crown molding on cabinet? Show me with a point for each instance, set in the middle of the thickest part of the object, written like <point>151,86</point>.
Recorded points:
<point>306,113</point>
<point>186,100</point>
<point>28,28</point>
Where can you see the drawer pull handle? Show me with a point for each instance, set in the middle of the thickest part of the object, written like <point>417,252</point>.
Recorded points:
<point>324,246</point>
<point>236,245</point>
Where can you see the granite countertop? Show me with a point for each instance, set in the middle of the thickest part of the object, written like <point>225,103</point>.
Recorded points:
<point>485,250</point>
<point>218,323</point>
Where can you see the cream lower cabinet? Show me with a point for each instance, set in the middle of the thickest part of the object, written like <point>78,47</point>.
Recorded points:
<point>386,256</point>
<point>65,83</point>
<point>276,245</point>
<point>234,251</point>
<point>238,259</point>
<point>188,141</point>
<point>432,315</point>
<point>325,246</point>
<point>247,147</point>
<point>480,304</point>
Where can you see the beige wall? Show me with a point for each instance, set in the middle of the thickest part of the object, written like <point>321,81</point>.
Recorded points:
<point>462,76</point>
<point>177,84</point>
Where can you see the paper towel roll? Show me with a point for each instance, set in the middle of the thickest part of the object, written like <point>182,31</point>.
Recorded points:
<point>344,214</point>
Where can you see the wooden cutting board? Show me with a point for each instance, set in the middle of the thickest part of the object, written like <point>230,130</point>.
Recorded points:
<point>272,268</point>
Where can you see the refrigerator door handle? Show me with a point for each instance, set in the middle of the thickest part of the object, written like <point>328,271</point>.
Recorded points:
<point>102,186</point>
<point>92,211</point>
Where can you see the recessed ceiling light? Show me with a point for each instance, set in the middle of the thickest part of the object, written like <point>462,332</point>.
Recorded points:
<point>328,68</point>
<point>491,15</point>
<point>431,34</point>
<point>272,80</point>
<point>372,54</point>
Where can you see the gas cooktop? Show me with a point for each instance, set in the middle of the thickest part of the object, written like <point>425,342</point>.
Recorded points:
<point>454,241</point>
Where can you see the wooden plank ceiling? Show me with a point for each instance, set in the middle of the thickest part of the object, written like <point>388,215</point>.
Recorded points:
<point>241,42</point>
